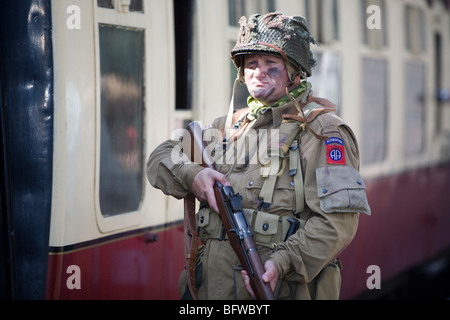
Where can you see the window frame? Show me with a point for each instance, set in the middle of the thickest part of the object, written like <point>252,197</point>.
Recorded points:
<point>136,20</point>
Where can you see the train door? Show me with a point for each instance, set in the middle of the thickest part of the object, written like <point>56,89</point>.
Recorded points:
<point>114,98</point>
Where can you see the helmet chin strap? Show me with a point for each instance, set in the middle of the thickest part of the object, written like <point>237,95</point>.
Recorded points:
<point>228,122</point>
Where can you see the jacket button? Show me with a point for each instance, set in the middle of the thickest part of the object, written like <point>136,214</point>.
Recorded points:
<point>265,226</point>
<point>324,191</point>
<point>250,183</point>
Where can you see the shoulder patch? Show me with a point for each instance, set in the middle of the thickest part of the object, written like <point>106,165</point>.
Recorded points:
<point>335,151</point>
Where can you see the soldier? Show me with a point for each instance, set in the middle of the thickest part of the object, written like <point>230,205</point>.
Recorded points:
<point>292,161</point>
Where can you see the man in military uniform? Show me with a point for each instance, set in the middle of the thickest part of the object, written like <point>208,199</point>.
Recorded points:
<point>292,161</point>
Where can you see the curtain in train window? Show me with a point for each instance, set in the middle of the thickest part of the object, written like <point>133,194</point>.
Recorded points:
<point>414,108</point>
<point>326,76</point>
<point>122,107</point>
<point>374,123</point>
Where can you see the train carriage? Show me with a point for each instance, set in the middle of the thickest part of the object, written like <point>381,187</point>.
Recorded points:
<point>90,88</point>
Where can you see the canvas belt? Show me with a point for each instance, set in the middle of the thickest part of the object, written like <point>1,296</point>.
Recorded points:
<point>268,229</point>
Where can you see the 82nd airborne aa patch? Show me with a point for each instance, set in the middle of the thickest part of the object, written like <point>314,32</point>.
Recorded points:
<point>335,151</point>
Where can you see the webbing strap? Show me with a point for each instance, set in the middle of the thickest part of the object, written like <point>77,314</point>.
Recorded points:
<point>266,193</point>
<point>277,161</point>
<point>295,170</point>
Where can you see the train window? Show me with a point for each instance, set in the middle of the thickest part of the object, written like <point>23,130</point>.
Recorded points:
<point>239,8</point>
<point>183,10</point>
<point>374,38</point>
<point>106,4</point>
<point>415,40</point>
<point>414,108</point>
<point>374,124</point>
<point>133,5</point>
<point>326,76</point>
<point>122,108</point>
<point>136,6</point>
<point>323,20</point>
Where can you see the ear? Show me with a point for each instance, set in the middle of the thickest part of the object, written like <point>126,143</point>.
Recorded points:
<point>293,72</point>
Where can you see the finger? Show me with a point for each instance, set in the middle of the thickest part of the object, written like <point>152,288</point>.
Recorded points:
<point>271,274</point>
<point>223,180</point>
<point>248,287</point>
<point>211,198</point>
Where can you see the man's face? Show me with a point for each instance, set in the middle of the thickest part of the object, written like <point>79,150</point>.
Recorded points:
<point>266,77</point>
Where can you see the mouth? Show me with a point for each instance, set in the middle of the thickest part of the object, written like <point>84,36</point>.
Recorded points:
<point>259,84</point>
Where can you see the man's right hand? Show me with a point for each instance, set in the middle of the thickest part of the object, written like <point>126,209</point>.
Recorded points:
<point>203,186</point>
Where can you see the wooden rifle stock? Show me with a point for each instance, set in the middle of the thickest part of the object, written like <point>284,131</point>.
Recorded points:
<point>233,219</point>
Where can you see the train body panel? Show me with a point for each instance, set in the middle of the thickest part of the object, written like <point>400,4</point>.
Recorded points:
<point>140,264</point>
<point>409,227</point>
<point>90,88</point>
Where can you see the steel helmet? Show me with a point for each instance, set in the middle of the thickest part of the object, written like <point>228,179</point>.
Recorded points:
<point>277,34</point>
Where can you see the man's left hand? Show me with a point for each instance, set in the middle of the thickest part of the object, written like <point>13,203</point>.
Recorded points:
<point>271,276</point>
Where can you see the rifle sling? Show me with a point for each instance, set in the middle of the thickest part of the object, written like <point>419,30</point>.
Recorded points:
<point>191,243</point>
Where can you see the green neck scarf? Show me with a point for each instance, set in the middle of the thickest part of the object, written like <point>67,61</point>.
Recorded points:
<point>256,107</point>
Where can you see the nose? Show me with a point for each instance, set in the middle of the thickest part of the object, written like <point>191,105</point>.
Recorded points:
<point>260,72</point>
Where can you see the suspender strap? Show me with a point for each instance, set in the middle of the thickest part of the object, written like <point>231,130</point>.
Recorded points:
<point>277,160</point>
<point>295,170</point>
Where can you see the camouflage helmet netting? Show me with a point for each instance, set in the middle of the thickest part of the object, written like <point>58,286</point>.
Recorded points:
<point>290,34</point>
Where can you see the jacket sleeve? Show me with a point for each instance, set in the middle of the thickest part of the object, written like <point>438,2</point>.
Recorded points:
<point>169,171</point>
<point>328,230</point>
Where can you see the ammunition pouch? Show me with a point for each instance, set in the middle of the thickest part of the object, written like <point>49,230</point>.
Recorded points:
<point>268,229</point>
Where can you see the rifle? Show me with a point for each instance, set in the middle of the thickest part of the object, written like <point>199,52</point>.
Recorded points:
<point>233,219</point>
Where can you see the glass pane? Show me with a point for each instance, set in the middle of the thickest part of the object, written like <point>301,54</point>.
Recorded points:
<point>136,5</point>
<point>326,76</point>
<point>239,8</point>
<point>183,53</point>
<point>236,9</point>
<point>414,108</point>
<point>106,4</point>
<point>374,38</point>
<point>122,107</point>
<point>328,18</point>
<point>374,124</point>
<point>415,40</point>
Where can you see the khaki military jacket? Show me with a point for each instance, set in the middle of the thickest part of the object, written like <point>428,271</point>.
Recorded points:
<point>333,195</point>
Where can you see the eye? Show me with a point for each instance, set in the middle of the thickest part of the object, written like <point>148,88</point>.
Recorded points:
<point>271,62</point>
<point>251,64</point>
